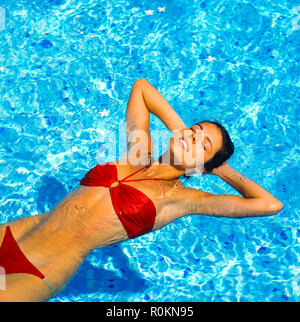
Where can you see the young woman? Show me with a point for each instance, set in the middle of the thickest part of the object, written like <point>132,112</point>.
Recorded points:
<point>119,200</point>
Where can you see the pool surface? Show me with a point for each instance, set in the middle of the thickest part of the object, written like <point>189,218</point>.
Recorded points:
<point>66,71</point>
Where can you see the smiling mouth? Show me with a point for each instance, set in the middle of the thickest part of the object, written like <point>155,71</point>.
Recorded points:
<point>184,144</point>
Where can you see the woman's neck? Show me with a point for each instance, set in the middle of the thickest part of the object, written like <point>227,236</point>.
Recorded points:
<point>162,170</point>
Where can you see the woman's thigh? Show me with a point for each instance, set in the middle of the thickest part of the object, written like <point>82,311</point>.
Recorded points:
<point>23,288</point>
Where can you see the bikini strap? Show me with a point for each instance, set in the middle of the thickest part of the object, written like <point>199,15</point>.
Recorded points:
<point>144,178</point>
<point>152,179</point>
<point>50,287</point>
<point>147,165</point>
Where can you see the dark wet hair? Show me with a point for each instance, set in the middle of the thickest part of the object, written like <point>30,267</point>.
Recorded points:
<point>224,153</point>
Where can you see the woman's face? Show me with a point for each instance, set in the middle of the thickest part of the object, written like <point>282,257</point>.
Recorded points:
<point>192,147</point>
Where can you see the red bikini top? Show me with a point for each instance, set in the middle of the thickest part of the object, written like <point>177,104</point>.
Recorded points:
<point>134,209</point>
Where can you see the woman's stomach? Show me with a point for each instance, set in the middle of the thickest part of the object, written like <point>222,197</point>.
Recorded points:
<point>88,214</point>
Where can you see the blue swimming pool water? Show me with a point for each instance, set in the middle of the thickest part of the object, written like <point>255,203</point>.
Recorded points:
<point>66,71</point>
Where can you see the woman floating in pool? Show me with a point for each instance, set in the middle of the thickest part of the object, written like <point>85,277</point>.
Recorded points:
<point>117,200</point>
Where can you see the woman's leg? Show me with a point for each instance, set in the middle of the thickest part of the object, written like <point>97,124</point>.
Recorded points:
<point>24,288</point>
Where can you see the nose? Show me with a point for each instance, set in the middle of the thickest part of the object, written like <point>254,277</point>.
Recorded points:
<point>188,133</point>
<point>196,135</point>
<point>193,137</point>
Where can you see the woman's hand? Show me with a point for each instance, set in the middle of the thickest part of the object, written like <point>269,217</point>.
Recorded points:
<point>217,171</point>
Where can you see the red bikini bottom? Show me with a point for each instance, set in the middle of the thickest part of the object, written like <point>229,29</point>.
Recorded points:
<point>12,259</point>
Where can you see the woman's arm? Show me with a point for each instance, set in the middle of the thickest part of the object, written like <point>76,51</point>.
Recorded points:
<point>159,106</point>
<point>245,186</point>
<point>145,99</point>
<point>256,201</point>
